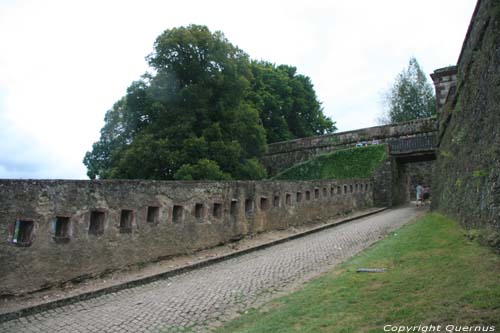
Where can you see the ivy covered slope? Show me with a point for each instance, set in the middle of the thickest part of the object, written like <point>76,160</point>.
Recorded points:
<point>342,164</point>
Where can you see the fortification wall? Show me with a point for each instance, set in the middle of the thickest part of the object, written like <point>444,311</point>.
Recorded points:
<point>467,176</point>
<point>53,231</point>
<point>282,155</point>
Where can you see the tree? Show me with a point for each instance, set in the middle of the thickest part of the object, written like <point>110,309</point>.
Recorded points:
<point>410,97</point>
<point>203,113</point>
<point>203,169</point>
<point>287,103</point>
<point>190,119</point>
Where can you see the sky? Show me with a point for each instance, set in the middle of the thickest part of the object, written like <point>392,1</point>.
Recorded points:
<point>63,63</point>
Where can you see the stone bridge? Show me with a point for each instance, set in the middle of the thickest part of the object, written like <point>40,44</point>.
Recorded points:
<point>415,138</point>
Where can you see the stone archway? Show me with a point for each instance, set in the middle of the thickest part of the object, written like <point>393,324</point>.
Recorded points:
<point>407,173</point>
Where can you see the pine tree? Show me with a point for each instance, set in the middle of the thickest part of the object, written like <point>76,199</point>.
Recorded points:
<point>411,96</point>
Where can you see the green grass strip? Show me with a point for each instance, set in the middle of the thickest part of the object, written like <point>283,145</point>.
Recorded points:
<point>435,276</point>
<point>341,164</point>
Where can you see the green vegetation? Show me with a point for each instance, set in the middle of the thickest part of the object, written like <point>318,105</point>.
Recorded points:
<point>479,173</point>
<point>287,103</point>
<point>446,154</point>
<point>410,97</point>
<point>435,275</point>
<point>204,112</point>
<point>358,162</point>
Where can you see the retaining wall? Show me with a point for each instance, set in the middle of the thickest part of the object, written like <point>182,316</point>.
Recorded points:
<point>55,231</point>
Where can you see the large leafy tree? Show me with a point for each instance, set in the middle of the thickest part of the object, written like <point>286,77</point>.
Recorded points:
<point>410,97</point>
<point>190,119</point>
<point>287,103</point>
<point>203,113</point>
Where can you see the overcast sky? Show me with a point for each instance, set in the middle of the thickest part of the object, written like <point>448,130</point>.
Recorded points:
<point>64,63</point>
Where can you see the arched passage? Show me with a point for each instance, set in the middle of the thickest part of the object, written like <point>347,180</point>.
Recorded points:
<point>407,172</point>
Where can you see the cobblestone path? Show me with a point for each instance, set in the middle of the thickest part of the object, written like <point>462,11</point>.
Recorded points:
<point>200,300</point>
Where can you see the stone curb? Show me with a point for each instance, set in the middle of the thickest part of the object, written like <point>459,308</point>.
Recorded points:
<point>141,281</point>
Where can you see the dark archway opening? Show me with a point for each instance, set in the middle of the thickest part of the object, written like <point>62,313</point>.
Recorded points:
<point>408,171</point>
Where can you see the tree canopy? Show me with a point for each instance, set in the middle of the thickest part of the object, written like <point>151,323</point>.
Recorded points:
<point>205,112</point>
<point>287,103</point>
<point>410,97</point>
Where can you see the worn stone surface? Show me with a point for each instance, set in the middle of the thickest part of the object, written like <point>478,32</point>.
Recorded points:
<point>400,182</point>
<point>202,299</point>
<point>467,177</point>
<point>190,216</point>
<point>382,183</point>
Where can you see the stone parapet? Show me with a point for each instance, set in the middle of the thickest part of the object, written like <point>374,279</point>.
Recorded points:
<point>55,231</point>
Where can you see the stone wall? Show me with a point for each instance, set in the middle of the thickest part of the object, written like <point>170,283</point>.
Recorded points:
<point>467,177</point>
<point>400,183</point>
<point>54,231</point>
<point>282,155</point>
<point>382,184</point>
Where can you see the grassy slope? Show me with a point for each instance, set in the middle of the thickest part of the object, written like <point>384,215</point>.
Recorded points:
<point>435,276</point>
<point>341,164</point>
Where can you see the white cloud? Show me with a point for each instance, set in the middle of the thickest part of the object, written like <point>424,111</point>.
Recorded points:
<point>64,63</point>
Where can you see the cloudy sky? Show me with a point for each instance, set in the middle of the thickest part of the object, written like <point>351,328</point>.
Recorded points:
<point>64,63</point>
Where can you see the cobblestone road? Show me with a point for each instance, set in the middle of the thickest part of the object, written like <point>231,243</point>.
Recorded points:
<point>199,300</point>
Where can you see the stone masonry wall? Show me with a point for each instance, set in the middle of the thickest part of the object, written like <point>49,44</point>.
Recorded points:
<point>54,231</point>
<point>382,184</point>
<point>467,177</point>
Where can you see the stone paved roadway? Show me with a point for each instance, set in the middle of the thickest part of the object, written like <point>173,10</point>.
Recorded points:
<point>201,299</point>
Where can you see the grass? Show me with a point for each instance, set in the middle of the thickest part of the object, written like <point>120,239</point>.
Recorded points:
<point>341,164</point>
<point>435,276</point>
